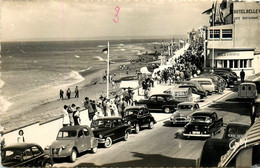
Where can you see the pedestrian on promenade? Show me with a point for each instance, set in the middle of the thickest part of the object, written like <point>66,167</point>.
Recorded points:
<point>70,112</point>
<point>20,137</point>
<point>66,119</point>
<point>76,116</point>
<point>68,93</point>
<point>76,92</point>
<point>242,76</point>
<point>61,94</point>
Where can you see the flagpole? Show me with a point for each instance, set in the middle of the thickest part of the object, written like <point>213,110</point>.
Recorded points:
<point>108,70</point>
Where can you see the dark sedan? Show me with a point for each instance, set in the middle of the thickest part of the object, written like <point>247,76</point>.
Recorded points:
<point>160,102</point>
<point>109,129</point>
<point>25,155</point>
<point>203,124</point>
<point>235,130</point>
<point>138,116</point>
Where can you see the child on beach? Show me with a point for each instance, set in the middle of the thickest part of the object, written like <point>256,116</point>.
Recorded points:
<point>20,137</point>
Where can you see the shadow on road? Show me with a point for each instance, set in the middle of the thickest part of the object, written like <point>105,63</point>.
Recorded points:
<point>147,160</point>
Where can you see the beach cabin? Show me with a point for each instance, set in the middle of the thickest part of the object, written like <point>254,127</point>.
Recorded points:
<point>247,90</point>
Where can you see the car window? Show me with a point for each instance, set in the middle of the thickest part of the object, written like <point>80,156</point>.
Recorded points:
<point>101,123</point>
<point>85,131</point>
<point>119,121</point>
<point>146,111</point>
<point>67,134</point>
<point>153,98</point>
<point>27,154</point>
<point>141,113</point>
<point>160,99</point>
<point>36,151</point>
<point>205,82</point>
<point>80,134</point>
<point>11,156</point>
<point>115,123</point>
<point>131,112</point>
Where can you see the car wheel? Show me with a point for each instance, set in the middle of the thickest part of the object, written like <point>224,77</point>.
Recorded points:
<point>151,124</point>
<point>167,110</point>
<point>108,142</point>
<point>73,155</point>
<point>126,137</point>
<point>47,164</point>
<point>137,128</point>
<point>94,150</point>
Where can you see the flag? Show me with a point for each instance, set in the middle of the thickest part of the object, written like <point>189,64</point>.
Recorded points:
<point>105,50</point>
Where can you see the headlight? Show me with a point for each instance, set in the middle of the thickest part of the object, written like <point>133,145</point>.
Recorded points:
<point>63,147</point>
<point>100,136</point>
<point>207,127</point>
<point>47,147</point>
<point>129,122</point>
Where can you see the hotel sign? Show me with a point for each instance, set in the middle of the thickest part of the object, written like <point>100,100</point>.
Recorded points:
<point>246,11</point>
<point>234,54</point>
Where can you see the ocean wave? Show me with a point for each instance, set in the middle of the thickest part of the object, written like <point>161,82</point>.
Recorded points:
<point>101,46</point>
<point>5,104</point>
<point>99,58</point>
<point>122,49</point>
<point>83,70</point>
<point>121,44</point>
<point>74,75</point>
<point>77,56</point>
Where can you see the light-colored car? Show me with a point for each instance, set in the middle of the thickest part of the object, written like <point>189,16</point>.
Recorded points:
<point>72,140</point>
<point>206,83</point>
<point>184,110</point>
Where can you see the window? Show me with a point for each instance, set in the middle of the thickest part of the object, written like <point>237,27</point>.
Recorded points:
<point>225,63</point>
<point>227,34</point>
<point>216,34</point>
<point>153,98</point>
<point>246,63</point>
<point>80,133</point>
<point>231,64</point>
<point>27,154</point>
<point>36,151</point>
<point>160,99</point>
<point>235,63</point>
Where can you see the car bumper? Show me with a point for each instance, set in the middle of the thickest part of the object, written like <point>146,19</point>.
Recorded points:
<point>101,140</point>
<point>196,135</point>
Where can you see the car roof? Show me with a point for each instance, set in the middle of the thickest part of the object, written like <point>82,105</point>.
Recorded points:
<point>199,78</point>
<point>237,124</point>
<point>20,146</point>
<point>187,103</point>
<point>134,107</point>
<point>203,113</point>
<point>72,128</point>
<point>161,94</point>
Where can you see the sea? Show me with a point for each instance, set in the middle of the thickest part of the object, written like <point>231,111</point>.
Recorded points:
<point>34,67</point>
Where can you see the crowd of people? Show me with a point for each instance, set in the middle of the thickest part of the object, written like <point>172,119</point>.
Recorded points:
<point>68,93</point>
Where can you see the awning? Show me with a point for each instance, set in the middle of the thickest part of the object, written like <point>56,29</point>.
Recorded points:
<point>129,84</point>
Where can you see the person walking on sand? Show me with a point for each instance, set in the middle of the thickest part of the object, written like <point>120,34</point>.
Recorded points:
<point>66,119</point>
<point>76,92</point>
<point>242,76</point>
<point>61,94</point>
<point>68,93</point>
<point>20,137</point>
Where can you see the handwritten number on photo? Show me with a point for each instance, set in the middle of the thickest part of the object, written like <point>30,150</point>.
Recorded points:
<point>116,15</point>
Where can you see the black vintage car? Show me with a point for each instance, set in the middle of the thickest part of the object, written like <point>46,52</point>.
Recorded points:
<point>109,129</point>
<point>25,155</point>
<point>160,102</point>
<point>138,116</point>
<point>203,124</point>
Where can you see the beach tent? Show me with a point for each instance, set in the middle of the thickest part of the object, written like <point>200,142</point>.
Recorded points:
<point>144,70</point>
<point>134,84</point>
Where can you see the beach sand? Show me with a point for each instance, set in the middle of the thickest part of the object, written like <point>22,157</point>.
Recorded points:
<point>46,108</point>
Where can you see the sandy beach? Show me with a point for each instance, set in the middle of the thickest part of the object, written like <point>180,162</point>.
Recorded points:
<point>45,107</point>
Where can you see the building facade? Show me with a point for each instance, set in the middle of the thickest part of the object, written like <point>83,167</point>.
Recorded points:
<point>235,42</point>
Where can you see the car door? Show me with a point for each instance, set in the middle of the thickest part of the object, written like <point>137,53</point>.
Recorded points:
<point>118,128</point>
<point>38,155</point>
<point>87,138</point>
<point>160,101</point>
<point>141,117</point>
<point>214,122</point>
<point>80,141</point>
<point>28,158</point>
<point>152,102</point>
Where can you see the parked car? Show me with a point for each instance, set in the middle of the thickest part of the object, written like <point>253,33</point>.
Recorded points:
<point>137,117</point>
<point>109,129</point>
<point>183,112</point>
<point>196,88</point>
<point>235,130</point>
<point>25,155</point>
<point>180,94</point>
<point>227,74</point>
<point>247,90</point>
<point>206,83</point>
<point>72,140</point>
<point>219,82</point>
<point>160,102</point>
<point>203,124</point>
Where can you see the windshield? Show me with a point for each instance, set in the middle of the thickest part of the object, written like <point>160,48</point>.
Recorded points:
<point>131,112</point>
<point>205,82</point>
<point>201,119</point>
<point>185,107</point>
<point>102,123</point>
<point>237,130</point>
<point>67,134</point>
<point>169,98</point>
<point>11,156</point>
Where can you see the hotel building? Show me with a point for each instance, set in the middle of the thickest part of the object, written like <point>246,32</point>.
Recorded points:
<point>233,37</point>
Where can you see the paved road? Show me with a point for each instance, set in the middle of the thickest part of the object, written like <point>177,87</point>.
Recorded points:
<point>163,145</point>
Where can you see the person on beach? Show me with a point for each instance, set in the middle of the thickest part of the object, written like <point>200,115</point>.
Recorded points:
<point>61,94</point>
<point>66,119</point>
<point>20,137</point>
<point>89,107</point>
<point>76,92</point>
<point>76,116</point>
<point>68,93</point>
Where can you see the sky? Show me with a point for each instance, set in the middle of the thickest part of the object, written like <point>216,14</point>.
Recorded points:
<point>93,19</point>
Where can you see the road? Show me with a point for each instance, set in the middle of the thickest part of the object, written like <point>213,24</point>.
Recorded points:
<point>163,145</point>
